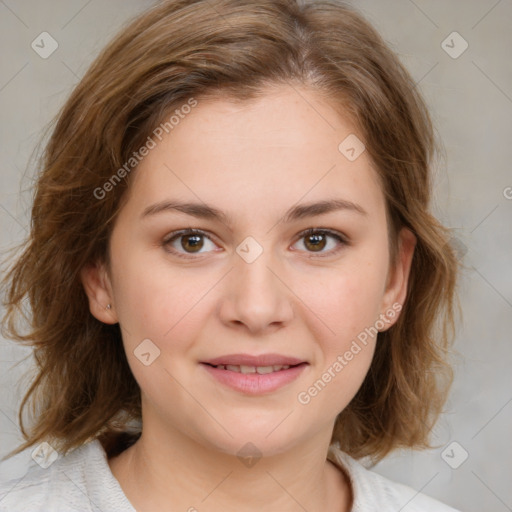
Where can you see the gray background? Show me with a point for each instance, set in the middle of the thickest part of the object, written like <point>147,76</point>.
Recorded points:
<point>471,103</point>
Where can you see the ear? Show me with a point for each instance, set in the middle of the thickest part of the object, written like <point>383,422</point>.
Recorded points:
<point>398,276</point>
<point>97,286</point>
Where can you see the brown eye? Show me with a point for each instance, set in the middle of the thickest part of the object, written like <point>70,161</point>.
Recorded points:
<point>194,243</point>
<point>188,241</point>
<point>317,240</point>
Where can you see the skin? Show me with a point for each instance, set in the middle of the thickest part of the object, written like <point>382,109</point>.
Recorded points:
<point>253,160</point>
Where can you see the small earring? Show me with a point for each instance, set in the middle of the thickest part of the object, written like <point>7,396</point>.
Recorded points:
<point>109,306</point>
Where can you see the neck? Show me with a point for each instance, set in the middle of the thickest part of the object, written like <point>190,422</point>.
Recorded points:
<point>159,470</point>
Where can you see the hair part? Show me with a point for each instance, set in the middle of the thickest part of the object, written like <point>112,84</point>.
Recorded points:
<point>236,49</point>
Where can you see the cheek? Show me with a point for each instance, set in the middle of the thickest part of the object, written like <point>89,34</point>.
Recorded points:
<point>346,300</point>
<point>348,306</point>
<point>151,299</point>
<point>165,307</point>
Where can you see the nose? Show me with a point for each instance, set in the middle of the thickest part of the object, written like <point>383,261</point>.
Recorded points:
<point>256,296</point>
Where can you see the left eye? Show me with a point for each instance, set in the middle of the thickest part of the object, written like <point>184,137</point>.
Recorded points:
<point>316,240</point>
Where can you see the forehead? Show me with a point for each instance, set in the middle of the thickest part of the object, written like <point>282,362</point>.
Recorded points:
<point>276,149</point>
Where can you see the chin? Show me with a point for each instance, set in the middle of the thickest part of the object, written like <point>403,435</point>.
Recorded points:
<point>262,440</point>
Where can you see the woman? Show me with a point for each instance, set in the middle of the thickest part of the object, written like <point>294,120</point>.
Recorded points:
<point>233,273</point>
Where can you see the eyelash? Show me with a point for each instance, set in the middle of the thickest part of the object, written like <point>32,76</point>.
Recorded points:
<point>343,241</point>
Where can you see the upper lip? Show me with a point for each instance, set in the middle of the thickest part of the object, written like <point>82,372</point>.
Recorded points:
<point>250,360</point>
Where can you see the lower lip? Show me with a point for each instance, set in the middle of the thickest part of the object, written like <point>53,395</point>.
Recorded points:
<point>255,383</point>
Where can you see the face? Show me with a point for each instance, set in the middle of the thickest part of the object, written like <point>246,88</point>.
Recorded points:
<point>212,318</point>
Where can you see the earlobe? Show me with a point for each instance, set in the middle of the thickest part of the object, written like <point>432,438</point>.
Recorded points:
<point>398,278</point>
<point>96,283</point>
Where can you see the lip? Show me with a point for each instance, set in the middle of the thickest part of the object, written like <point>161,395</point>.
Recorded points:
<point>254,383</point>
<point>250,360</point>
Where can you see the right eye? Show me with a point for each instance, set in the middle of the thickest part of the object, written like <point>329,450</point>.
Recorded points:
<point>191,241</point>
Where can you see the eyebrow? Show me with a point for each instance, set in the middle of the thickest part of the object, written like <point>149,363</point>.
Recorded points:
<point>204,211</point>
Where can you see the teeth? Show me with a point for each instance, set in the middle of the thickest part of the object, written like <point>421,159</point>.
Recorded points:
<point>252,369</point>
<point>264,369</point>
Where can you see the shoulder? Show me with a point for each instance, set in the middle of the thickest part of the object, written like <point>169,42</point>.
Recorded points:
<point>375,492</point>
<point>79,481</point>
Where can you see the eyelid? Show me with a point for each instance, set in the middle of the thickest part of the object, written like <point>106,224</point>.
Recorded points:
<point>328,231</point>
<point>186,231</point>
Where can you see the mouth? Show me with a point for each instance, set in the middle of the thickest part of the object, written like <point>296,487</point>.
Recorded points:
<point>255,375</point>
<point>246,370</point>
<point>252,361</point>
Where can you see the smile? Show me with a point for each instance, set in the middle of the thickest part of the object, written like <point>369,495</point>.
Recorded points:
<point>262,370</point>
<point>254,380</point>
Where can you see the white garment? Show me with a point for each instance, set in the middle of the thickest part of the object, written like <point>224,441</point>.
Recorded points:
<point>82,482</point>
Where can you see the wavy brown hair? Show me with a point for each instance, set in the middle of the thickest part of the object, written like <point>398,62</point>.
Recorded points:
<point>183,49</point>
